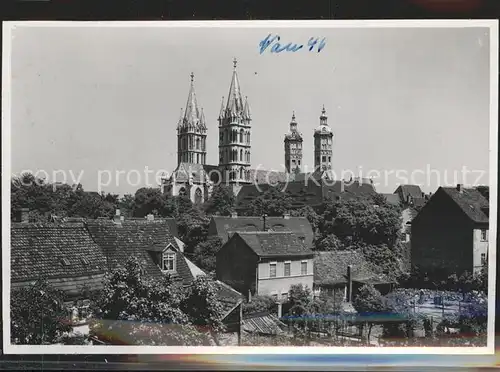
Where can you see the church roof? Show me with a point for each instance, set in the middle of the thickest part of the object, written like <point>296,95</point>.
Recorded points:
<point>193,116</point>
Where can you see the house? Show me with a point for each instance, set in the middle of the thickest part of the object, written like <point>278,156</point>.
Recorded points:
<point>450,234</point>
<point>342,273</point>
<point>225,227</point>
<point>75,254</point>
<point>265,263</point>
<point>411,199</point>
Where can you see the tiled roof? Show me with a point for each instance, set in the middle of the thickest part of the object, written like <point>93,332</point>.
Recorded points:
<point>228,296</point>
<point>226,226</point>
<point>331,268</point>
<point>262,176</point>
<point>309,192</point>
<point>419,202</point>
<point>274,244</point>
<point>134,238</point>
<point>393,199</point>
<point>470,201</point>
<point>263,324</point>
<point>54,251</point>
<point>409,190</point>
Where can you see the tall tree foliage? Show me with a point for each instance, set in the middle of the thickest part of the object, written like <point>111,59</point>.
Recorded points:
<point>205,252</point>
<point>221,202</point>
<point>273,202</point>
<point>369,303</point>
<point>38,315</point>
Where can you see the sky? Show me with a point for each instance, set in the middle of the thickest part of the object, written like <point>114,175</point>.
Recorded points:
<point>407,100</point>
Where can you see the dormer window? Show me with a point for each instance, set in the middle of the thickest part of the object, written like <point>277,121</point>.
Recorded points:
<point>168,261</point>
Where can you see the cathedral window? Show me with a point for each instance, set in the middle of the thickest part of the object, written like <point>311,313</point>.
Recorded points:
<point>198,158</point>
<point>324,159</point>
<point>227,138</point>
<point>329,159</point>
<point>197,144</point>
<point>241,156</point>
<point>241,136</point>
<point>182,191</point>
<point>241,173</point>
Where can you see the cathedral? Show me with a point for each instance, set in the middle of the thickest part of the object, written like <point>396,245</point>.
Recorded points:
<point>195,179</point>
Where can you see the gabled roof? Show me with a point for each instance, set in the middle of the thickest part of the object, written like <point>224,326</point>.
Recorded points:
<point>409,190</point>
<point>331,268</point>
<point>226,226</point>
<point>136,238</point>
<point>54,251</point>
<point>471,201</point>
<point>274,244</point>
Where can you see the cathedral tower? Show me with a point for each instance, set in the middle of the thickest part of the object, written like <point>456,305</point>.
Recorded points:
<point>234,135</point>
<point>323,141</point>
<point>293,148</point>
<point>192,132</point>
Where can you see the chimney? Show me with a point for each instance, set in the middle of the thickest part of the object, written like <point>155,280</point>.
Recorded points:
<point>342,186</point>
<point>280,310</point>
<point>22,215</point>
<point>264,227</point>
<point>349,283</point>
<point>150,217</point>
<point>117,217</point>
<point>234,214</point>
<point>286,216</point>
<point>460,187</point>
<point>249,296</point>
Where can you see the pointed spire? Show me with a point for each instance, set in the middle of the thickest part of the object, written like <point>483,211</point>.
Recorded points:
<point>203,123</point>
<point>192,115</point>
<point>222,110</point>
<point>246,110</point>
<point>179,123</point>
<point>234,101</point>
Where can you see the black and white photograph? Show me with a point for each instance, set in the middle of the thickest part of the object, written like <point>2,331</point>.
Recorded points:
<point>220,185</point>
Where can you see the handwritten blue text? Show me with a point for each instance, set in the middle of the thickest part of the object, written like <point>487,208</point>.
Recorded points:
<point>274,45</point>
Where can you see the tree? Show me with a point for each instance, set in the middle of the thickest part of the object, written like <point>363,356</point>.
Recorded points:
<point>126,204</point>
<point>221,201</point>
<point>260,304</point>
<point>149,200</point>
<point>329,242</point>
<point>149,313</point>
<point>368,303</point>
<point>38,315</point>
<point>311,215</point>
<point>204,254</point>
<point>193,227</point>
<point>273,202</point>
<point>202,305</point>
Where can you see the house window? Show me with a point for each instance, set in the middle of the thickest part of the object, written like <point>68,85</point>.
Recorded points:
<point>324,159</point>
<point>483,259</point>
<point>287,269</point>
<point>303,268</point>
<point>168,261</point>
<point>284,296</point>
<point>484,235</point>
<point>272,270</point>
